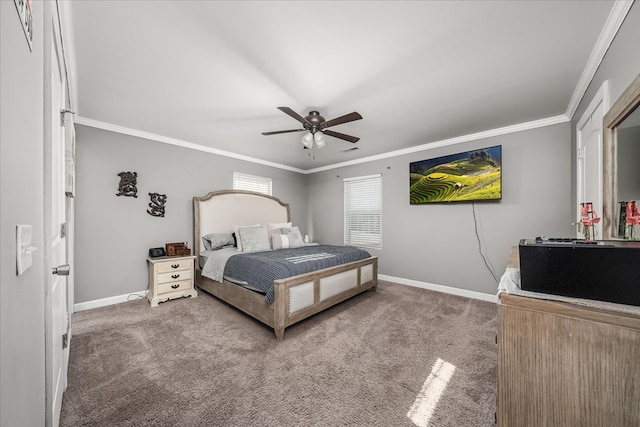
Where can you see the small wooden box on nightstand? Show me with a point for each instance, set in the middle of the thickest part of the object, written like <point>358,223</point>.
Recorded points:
<point>171,277</point>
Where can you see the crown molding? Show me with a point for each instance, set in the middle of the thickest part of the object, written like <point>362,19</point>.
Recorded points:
<point>178,142</point>
<point>616,17</point>
<point>451,141</point>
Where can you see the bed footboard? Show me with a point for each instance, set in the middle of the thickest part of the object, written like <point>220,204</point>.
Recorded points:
<point>299,297</point>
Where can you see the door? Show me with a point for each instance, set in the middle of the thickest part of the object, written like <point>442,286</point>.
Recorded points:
<point>56,303</point>
<point>589,151</point>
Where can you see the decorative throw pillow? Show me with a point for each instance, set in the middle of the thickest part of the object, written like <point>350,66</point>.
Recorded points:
<point>215,241</point>
<point>289,237</point>
<point>254,238</point>
<point>237,235</point>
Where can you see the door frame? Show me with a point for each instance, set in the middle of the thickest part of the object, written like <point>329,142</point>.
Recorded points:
<point>52,37</point>
<point>600,98</point>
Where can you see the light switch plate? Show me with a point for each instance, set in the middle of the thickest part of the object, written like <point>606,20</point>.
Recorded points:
<point>24,248</point>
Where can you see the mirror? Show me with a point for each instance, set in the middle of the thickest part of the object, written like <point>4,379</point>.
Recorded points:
<point>621,168</point>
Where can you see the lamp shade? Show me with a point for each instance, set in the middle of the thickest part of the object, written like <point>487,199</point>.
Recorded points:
<point>307,140</point>
<point>318,137</point>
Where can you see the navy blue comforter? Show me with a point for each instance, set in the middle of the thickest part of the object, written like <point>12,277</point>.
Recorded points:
<point>260,269</point>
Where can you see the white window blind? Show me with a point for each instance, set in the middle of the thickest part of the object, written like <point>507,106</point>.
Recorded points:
<point>243,181</point>
<point>363,211</point>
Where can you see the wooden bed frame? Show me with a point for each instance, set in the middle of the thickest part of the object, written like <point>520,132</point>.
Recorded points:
<point>295,298</point>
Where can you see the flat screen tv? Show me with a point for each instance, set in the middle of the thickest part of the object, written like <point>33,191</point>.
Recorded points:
<point>462,177</point>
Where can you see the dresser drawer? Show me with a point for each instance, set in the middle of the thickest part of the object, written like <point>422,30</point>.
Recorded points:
<point>174,276</point>
<point>166,288</point>
<point>174,265</point>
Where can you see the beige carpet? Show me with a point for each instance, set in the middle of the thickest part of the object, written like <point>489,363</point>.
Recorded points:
<point>200,362</point>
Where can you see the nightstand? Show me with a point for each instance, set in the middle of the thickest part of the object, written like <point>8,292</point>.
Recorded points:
<point>170,277</point>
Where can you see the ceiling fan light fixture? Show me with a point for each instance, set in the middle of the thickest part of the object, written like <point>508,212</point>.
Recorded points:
<point>318,137</point>
<point>307,139</point>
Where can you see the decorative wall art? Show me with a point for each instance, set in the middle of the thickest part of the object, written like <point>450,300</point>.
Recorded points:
<point>157,204</point>
<point>461,177</point>
<point>26,19</point>
<point>128,184</point>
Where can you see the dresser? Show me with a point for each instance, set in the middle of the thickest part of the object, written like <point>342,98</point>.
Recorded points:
<point>170,278</point>
<point>564,364</point>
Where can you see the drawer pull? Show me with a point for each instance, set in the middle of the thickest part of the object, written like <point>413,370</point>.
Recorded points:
<point>175,265</point>
<point>175,276</point>
<point>176,286</point>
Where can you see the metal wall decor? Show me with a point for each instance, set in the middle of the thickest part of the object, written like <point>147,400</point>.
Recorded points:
<point>157,204</point>
<point>128,184</point>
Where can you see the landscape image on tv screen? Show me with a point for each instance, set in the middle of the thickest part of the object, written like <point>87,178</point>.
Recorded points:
<point>468,176</point>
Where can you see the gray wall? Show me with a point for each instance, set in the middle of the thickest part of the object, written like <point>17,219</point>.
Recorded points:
<point>22,354</point>
<point>620,66</point>
<point>114,234</point>
<point>436,243</point>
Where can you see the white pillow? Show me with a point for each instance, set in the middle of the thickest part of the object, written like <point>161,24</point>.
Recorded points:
<point>254,238</point>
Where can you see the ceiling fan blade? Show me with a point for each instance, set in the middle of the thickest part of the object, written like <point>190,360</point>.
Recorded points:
<point>334,134</point>
<point>282,131</point>
<point>293,114</point>
<point>342,119</point>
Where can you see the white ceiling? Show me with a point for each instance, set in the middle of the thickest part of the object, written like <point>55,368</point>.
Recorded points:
<point>212,73</point>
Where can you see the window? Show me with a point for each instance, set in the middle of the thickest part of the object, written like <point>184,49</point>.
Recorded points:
<point>242,181</point>
<point>363,211</point>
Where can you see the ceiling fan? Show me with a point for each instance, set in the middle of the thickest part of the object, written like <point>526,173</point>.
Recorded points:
<point>316,127</point>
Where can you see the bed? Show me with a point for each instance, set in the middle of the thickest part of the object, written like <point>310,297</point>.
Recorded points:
<point>294,298</point>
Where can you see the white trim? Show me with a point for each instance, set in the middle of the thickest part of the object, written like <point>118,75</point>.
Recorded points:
<point>616,17</point>
<point>601,97</point>
<point>180,143</point>
<point>358,178</point>
<point>451,141</point>
<point>104,302</point>
<point>424,147</point>
<point>441,288</point>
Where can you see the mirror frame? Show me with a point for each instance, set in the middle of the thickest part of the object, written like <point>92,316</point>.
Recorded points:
<point>625,105</point>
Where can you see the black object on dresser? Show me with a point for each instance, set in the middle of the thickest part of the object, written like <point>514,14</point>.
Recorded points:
<point>600,270</point>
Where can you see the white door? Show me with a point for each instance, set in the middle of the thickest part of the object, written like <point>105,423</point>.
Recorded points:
<point>56,309</point>
<point>589,149</point>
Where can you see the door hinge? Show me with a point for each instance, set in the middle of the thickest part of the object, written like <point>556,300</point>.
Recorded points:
<point>63,229</point>
<point>62,113</point>
<point>580,153</point>
<point>65,341</point>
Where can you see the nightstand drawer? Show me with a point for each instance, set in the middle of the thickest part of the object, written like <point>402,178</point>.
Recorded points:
<point>166,288</point>
<point>175,276</point>
<point>174,265</point>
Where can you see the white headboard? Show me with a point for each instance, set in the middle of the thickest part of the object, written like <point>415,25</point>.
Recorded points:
<point>219,211</point>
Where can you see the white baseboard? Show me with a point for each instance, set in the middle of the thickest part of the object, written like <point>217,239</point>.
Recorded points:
<point>108,301</point>
<point>441,288</point>
<point>432,287</point>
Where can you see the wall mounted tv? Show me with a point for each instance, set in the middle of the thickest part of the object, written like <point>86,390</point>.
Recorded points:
<point>462,177</point>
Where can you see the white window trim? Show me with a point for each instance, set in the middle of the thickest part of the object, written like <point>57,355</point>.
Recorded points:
<point>369,238</point>
<point>243,181</point>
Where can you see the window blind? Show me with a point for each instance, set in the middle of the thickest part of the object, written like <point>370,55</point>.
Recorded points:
<point>243,181</point>
<point>363,211</point>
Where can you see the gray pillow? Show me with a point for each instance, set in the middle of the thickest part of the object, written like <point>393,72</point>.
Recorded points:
<point>254,238</point>
<point>215,241</point>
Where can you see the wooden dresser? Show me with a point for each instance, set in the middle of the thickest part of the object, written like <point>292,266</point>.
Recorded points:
<point>563,364</point>
<point>170,278</point>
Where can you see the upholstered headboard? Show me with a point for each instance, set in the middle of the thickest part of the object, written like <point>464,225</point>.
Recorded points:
<point>219,211</point>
